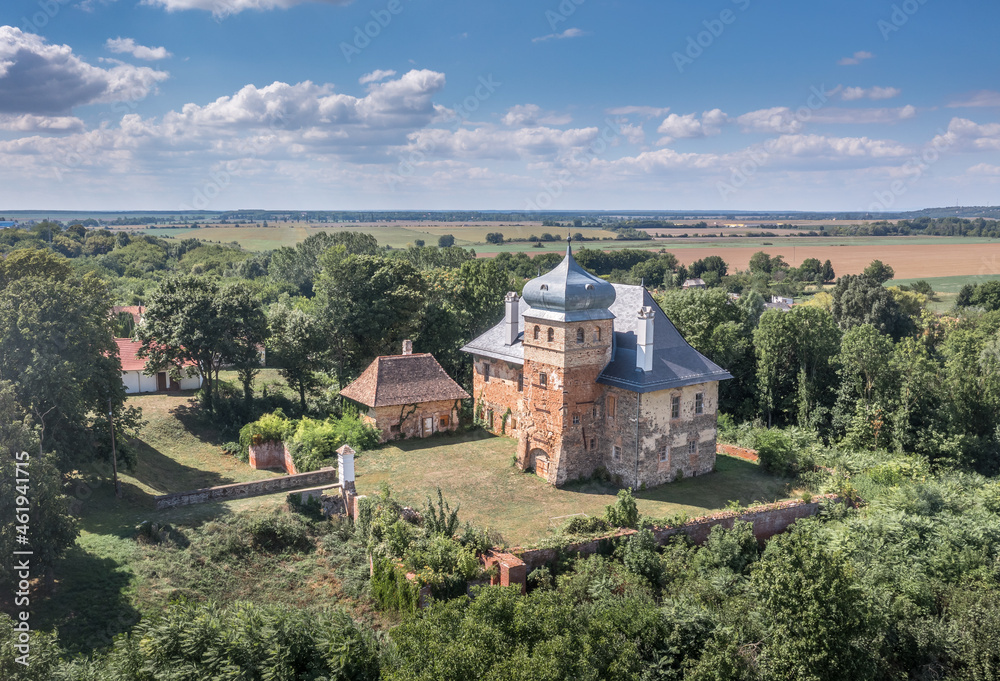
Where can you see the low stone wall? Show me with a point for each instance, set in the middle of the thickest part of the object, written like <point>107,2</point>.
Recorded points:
<point>738,452</point>
<point>768,520</point>
<point>247,489</point>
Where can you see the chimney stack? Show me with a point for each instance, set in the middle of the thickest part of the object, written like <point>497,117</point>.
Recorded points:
<point>644,340</point>
<point>511,318</point>
<point>407,347</point>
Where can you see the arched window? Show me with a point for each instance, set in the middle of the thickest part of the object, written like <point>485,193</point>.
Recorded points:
<point>579,336</point>
<point>552,334</point>
<point>537,330</point>
<point>597,333</point>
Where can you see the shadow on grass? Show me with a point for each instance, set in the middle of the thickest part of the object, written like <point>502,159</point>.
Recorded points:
<point>88,604</point>
<point>196,422</point>
<point>733,480</point>
<point>166,475</point>
<point>441,439</point>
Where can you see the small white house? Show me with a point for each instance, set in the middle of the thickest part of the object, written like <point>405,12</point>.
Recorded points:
<point>137,381</point>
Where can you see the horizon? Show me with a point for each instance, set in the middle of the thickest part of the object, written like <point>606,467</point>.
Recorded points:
<point>182,105</point>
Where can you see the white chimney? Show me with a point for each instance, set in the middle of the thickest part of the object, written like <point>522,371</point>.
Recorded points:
<point>511,320</point>
<point>644,340</point>
<point>407,347</point>
<point>345,466</point>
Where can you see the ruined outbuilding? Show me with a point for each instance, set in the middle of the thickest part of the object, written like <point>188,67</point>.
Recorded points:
<point>408,395</point>
<point>589,375</point>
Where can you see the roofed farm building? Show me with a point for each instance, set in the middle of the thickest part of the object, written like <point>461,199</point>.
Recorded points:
<point>589,375</point>
<point>407,395</point>
<point>136,379</point>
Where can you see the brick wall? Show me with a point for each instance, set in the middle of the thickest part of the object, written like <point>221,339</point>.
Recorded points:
<point>738,452</point>
<point>269,455</point>
<point>247,489</point>
<point>409,421</point>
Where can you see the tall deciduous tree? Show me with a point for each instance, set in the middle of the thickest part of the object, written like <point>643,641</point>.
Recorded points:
<point>860,299</point>
<point>246,333</point>
<point>299,347</point>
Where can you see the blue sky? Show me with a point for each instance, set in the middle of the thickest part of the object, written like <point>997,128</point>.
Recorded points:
<point>859,105</point>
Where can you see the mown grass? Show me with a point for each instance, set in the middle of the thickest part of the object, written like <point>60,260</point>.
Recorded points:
<point>475,471</point>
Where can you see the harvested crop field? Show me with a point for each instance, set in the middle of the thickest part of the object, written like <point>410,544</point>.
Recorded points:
<point>910,261</point>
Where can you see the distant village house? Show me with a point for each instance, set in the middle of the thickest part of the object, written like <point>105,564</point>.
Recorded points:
<point>137,381</point>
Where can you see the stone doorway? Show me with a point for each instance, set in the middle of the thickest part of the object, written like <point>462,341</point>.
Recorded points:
<point>540,462</point>
<point>428,426</point>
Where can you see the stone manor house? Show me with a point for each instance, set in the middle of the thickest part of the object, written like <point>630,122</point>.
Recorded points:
<point>588,375</point>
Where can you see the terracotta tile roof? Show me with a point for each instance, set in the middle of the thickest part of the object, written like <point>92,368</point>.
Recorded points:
<point>135,310</point>
<point>127,349</point>
<point>403,379</point>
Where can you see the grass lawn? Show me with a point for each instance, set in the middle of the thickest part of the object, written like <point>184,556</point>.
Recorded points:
<point>475,471</point>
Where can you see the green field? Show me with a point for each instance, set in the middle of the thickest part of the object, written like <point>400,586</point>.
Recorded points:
<point>950,285</point>
<point>475,471</point>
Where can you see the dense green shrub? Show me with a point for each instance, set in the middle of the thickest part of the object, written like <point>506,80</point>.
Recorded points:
<point>586,525</point>
<point>624,512</point>
<point>310,442</point>
<point>391,589</point>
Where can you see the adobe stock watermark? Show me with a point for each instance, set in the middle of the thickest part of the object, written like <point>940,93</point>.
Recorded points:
<point>21,560</point>
<point>369,31</point>
<point>562,13</point>
<point>406,167</point>
<point>901,14</point>
<point>47,11</point>
<point>701,41</point>
<point>914,169</point>
<point>554,188</point>
<point>249,149</point>
<point>758,157</point>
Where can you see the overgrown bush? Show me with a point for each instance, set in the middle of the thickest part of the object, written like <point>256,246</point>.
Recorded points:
<point>586,525</point>
<point>391,589</point>
<point>310,442</point>
<point>624,512</point>
<point>268,428</point>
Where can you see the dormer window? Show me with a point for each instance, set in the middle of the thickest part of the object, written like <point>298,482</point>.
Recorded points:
<point>552,334</point>
<point>589,287</point>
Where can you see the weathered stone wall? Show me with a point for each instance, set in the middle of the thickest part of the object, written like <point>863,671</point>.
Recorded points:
<point>409,421</point>
<point>768,520</point>
<point>247,489</point>
<point>565,421</point>
<point>498,394</point>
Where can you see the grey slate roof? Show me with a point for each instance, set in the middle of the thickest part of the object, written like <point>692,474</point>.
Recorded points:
<point>569,293</point>
<point>675,363</point>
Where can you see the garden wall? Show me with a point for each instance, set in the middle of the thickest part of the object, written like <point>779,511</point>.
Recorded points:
<point>738,452</point>
<point>272,455</point>
<point>247,489</point>
<point>767,520</point>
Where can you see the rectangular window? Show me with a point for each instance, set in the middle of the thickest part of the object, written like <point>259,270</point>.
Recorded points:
<point>576,419</point>
<point>611,408</point>
<point>489,419</point>
<point>486,372</point>
<point>692,448</point>
<point>394,429</point>
<point>699,403</point>
<point>665,454</point>
<point>593,444</point>
<point>520,381</point>
<point>543,380</point>
<point>443,422</point>
<point>616,452</point>
<point>675,407</point>
<point>593,411</point>
<point>513,423</point>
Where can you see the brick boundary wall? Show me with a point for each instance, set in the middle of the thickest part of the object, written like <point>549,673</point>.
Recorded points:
<point>272,455</point>
<point>738,452</point>
<point>243,490</point>
<point>768,520</point>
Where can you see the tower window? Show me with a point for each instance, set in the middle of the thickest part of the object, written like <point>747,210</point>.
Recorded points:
<point>537,331</point>
<point>520,381</point>
<point>593,444</point>
<point>486,372</point>
<point>543,380</point>
<point>579,336</point>
<point>597,333</point>
<point>552,335</point>
<point>699,403</point>
<point>665,454</point>
<point>576,419</point>
<point>616,452</point>
<point>611,408</point>
<point>692,448</point>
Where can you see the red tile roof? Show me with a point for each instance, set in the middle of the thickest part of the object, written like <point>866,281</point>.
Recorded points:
<point>127,349</point>
<point>403,379</point>
<point>135,310</point>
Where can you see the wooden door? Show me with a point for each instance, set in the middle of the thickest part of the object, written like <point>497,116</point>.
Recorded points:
<point>161,381</point>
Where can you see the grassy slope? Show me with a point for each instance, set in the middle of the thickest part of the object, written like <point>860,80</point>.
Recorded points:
<point>476,472</point>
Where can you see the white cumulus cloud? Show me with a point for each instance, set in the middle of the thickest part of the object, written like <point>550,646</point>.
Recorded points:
<point>854,93</point>
<point>43,79</point>
<point>375,76</point>
<point>128,46</point>
<point>856,58</point>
